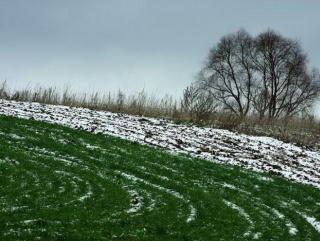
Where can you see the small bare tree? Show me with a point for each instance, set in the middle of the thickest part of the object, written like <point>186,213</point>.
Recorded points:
<point>3,90</point>
<point>120,101</point>
<point>198,103</point>
<point>138,103</point>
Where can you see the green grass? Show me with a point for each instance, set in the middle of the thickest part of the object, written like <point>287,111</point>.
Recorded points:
<point>63,184</point>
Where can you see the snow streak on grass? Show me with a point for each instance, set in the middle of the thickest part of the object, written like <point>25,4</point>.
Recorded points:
<point>57,183</point>
<point>193,211</point>
<point>243,213</point>
<point>312,221</point>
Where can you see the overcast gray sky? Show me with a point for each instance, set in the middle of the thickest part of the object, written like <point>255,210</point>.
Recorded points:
<point>158,45</point>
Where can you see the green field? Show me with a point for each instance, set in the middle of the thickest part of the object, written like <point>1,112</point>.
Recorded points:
<point>62,184</point>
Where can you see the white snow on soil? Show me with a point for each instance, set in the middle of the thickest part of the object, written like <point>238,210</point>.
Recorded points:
<point>256,153</point>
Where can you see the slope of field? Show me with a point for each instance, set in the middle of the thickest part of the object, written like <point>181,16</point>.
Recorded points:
<point>255,153</point>
<point>58,183</point>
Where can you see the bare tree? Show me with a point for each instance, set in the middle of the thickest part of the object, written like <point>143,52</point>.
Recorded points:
<point>285,85</point>
<point>229,72</point>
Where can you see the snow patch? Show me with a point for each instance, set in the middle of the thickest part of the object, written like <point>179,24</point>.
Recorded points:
<point>136,201</point>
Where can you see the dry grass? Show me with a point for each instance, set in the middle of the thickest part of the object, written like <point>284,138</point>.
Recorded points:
<point>139,103</point>
<point>302,132</point>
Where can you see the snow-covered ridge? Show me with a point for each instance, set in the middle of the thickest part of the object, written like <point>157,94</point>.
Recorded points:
<point>257,153</point>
